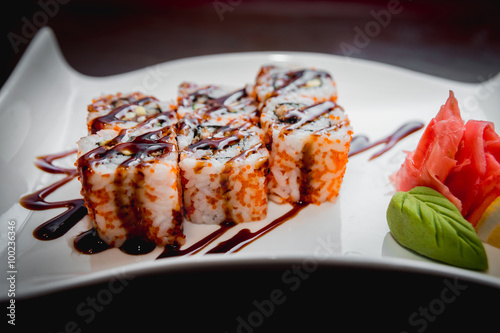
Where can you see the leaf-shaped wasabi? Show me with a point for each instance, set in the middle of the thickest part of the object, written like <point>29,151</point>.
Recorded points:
<point>426,222</point>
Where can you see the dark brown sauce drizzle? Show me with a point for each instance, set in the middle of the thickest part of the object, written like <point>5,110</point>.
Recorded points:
<point>245,236</point>
<point>212,105</point>
<point>244,154</point>
<point>151,143</point>
<point>59,225</point>
<point>89,242</point>
<point>305,172</point>
<point>221,102</point>
<point>361,143</point>
<point>114,115</point>
<point>232,134</point>
<point>129,212</point>
<point>295,79</point>
<point>138,246</point>
<point>193,97</point>
<point>214,143</point>
<point>300,117</point>
<point>175,250</point>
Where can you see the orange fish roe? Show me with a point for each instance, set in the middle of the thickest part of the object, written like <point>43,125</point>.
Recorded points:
<point>306,165</point>
<point>227,164</point>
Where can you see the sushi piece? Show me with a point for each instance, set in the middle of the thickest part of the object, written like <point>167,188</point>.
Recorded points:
<point>217,102</point>
<point>223,171</point>
<point>275,81</point>
<point>124,111</point>
<point>192,96</point>
<point>157,121</point>
<point>308,143</point>
<point>130,184</point>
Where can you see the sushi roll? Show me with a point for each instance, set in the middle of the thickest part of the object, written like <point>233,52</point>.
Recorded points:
<point>217,102</point>
<point>130,184</point>
<point>309,143</point>
<point>223,171</point>
<point>275,81</point>
<point>124,111</point>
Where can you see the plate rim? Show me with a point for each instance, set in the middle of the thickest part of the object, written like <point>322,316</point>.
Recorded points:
<point>242,260</point>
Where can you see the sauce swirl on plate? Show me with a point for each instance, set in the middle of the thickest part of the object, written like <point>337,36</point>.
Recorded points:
<point>89,242</point>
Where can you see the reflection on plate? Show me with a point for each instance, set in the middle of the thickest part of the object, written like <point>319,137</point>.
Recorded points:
<point>44,105</point>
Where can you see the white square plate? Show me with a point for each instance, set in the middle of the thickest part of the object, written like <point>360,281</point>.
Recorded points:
<point>43,110</point>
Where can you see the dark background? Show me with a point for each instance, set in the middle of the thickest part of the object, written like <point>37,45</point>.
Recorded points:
<point>237,299</point>
<point>458,39</point>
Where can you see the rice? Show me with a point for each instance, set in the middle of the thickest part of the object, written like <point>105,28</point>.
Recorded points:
<point>309,143</point>
<point>223,172</point>
<point>217,103</point>
<point>124,111</point>
<point>215,157</point>
<point>282,81</point>
<point>131,187</point>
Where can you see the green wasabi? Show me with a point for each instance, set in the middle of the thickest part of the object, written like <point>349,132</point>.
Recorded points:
<point>426,222</point>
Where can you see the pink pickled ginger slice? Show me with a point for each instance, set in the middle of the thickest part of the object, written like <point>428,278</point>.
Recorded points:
<point>433,160</point>
<point>461,161</point>
<point>476,178</point>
